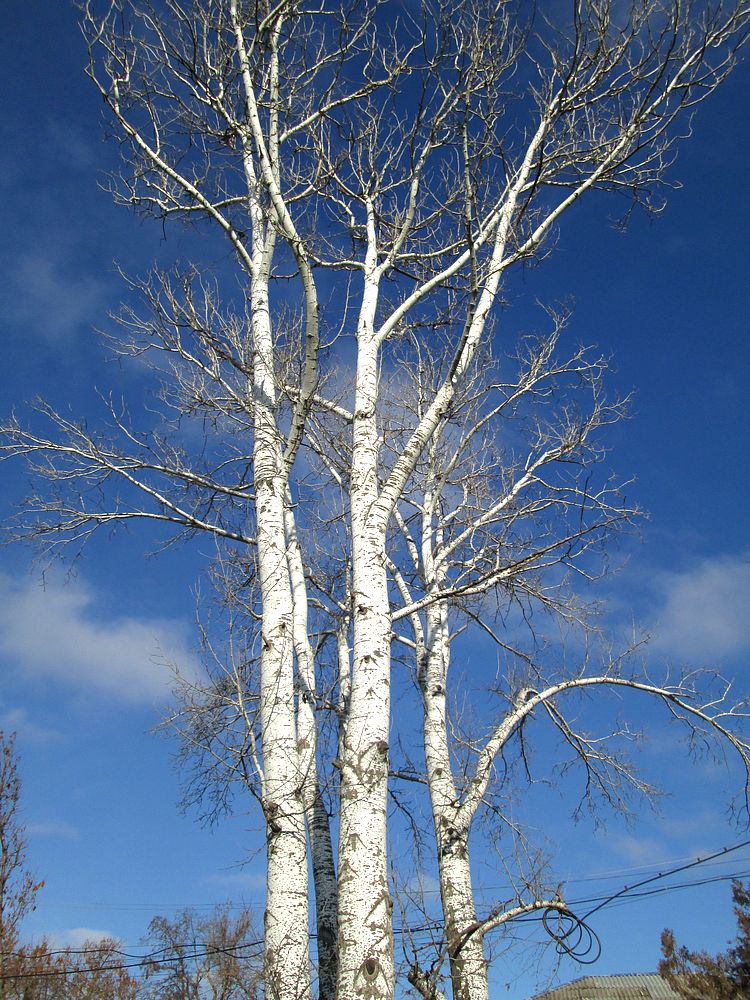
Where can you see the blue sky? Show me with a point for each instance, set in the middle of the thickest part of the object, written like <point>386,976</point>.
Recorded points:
<point>82,676</point>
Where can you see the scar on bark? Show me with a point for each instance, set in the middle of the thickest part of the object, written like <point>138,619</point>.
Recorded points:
<point>370,968</point>
<point>272,811</point>
<point>369,974</point>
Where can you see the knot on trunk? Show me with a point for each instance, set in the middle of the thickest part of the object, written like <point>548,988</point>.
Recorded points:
<point>371,981</point>
<point>271,811</point>
<point>452,841</point>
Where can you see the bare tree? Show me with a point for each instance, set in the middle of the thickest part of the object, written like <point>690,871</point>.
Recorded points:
<point>214,957</point>
<point>18,888</point>
<point>95,970</point>
<point>407,159</point>
<point>489,519</point>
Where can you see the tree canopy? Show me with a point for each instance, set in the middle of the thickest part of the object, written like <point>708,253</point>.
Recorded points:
<point>384,469</point>
<point>696,975</point>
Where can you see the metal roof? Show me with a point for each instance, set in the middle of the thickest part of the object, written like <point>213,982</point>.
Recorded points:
<point>634,986</point>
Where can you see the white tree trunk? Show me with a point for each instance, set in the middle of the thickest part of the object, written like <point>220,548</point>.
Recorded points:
<point>287,967</point>
<point>468,965</point>
<point>366,966</point>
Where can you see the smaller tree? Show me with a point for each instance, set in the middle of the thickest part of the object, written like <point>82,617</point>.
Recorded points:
<point>696,975</point>
<point>217,957</point>
<point>95,971</point>
<point>18,888</point>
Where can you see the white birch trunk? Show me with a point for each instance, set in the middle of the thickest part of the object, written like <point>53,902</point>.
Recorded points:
<point>284,612</point>
<point>366,965</point>
<point>468,965</point>
<point>287,966</point>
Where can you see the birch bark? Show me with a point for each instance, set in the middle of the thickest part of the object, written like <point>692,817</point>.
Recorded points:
<point>286,919</point>
<point>366,965</point>
<point>289,729</point>
<point>468,966</point>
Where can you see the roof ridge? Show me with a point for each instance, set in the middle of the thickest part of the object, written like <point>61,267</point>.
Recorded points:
<point>615,975</point>
<point>597,981</point>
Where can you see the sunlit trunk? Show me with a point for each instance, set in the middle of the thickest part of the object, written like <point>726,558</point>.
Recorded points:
<point>468,965</point>
<point>366,967</point>
<point>287,968</point>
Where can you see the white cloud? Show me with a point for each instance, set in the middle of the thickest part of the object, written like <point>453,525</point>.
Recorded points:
<point>638,851</point>
<point>670,841</point>
<point>696,827</point>
<point>240,880</point>
<point>49,301</point>
<point>71,145</point>
<point>55,632</point>
<point>77,937</point>
<point>703,612</point>
<point>18,720</point>
<point>423,884</point>
<point>56,828</point>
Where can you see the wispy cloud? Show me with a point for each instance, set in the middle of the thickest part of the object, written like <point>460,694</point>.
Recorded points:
<point>241,879</point>
<point>18,720</point>
<point>698,827</point>
<point>422,883</point>
<point>58,829</point>
<point>76,937</point>
<point>638,851</point>
<point>72,148</point>
<point>56,632</point>
<point>702,611</point>
<point>49,299</point>
<point>670,840</point>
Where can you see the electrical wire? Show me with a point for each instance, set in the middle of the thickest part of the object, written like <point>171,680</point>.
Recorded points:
<point>660,875</point>
<point>575,937</point>
<point>572,934</point>
<point>142,961</point>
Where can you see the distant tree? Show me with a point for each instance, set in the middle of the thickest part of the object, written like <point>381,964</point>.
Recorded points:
<point>209,958</point>
<point>216,957</point>
<point>95,971</point>
<point>696,975</point>
<point>18,888</point>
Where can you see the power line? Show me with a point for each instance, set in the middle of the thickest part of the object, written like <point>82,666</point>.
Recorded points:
<point>570,935</point>
<point>602,876</point>
<point>576,938</point>
<point>660,875</point>
<point>142,962</point>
